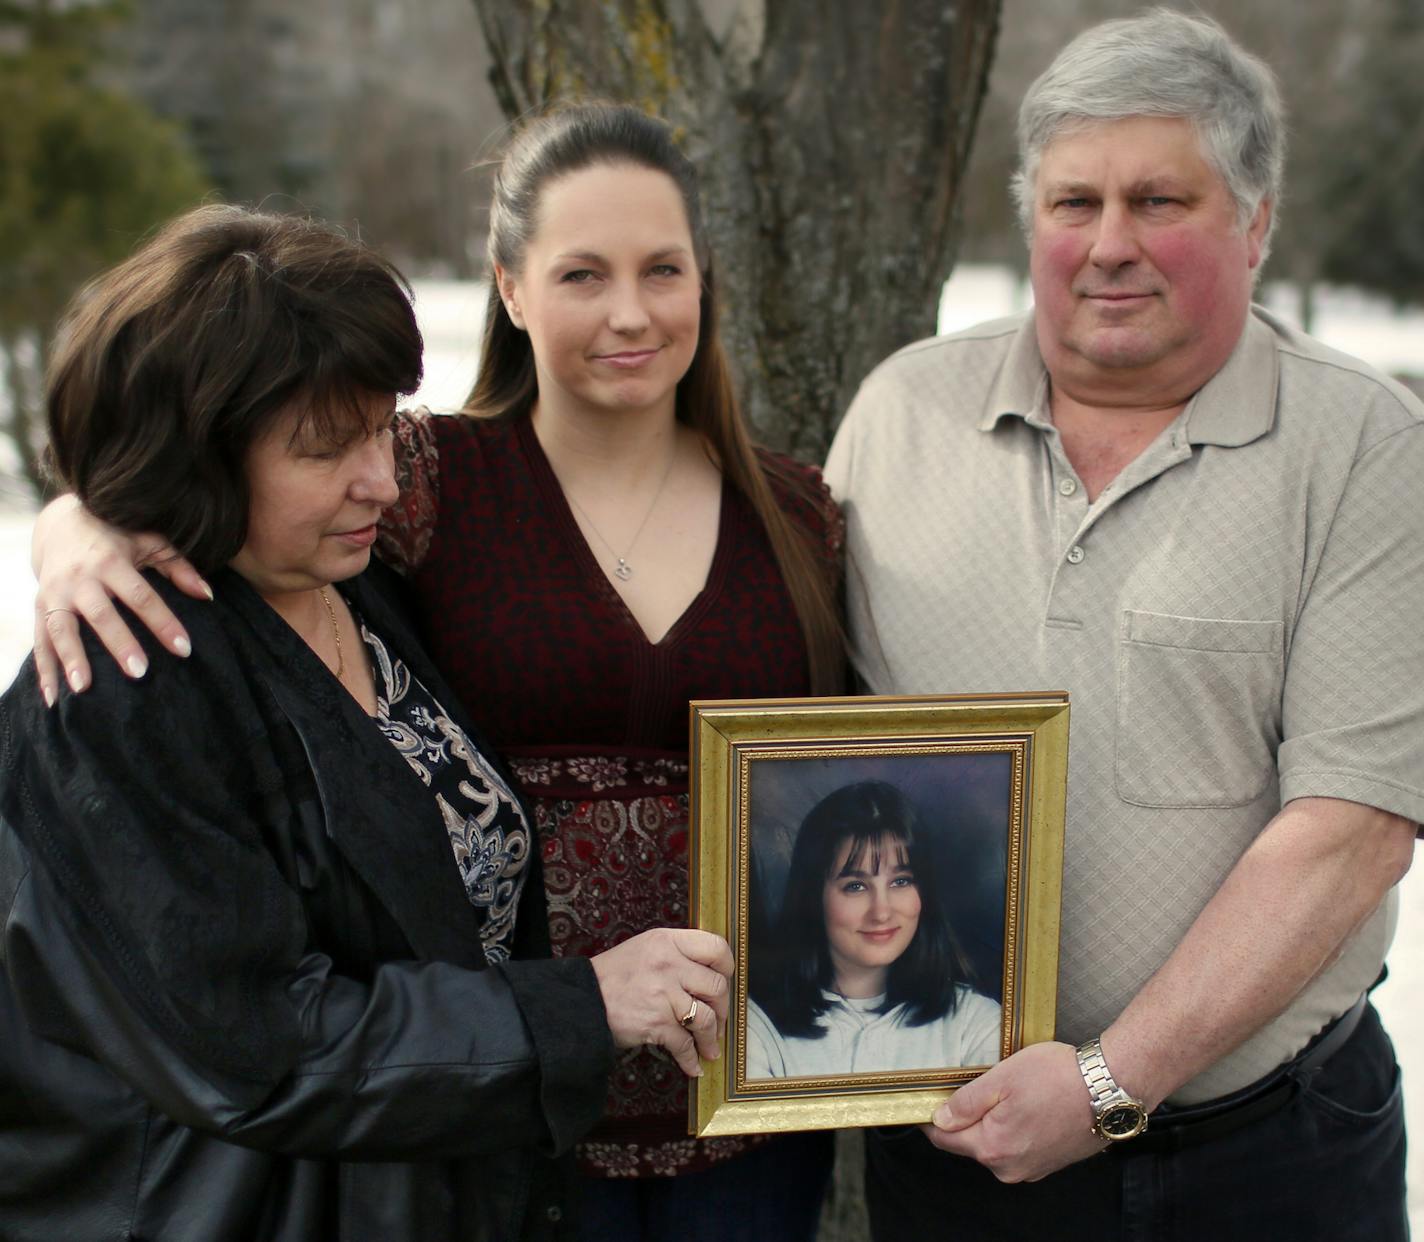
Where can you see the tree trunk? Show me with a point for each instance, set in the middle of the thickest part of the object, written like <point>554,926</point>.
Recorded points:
<point>843,1216</point>
<point>831,138</point>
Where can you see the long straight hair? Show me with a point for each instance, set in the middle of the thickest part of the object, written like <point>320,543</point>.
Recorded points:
<point>573,138</point>
<point>870,817</point>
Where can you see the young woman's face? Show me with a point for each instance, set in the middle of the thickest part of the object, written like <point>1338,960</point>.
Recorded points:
<point>609,291</point>
<point>872,909</point>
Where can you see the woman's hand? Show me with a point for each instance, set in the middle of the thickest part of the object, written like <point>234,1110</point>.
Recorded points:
<point>650,983</point>
<point>81,563</point>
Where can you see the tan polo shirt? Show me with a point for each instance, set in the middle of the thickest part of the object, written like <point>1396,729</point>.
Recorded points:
<point>1239,619</point>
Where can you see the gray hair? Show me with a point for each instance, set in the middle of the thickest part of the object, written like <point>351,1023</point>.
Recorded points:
<point>1162,63</point>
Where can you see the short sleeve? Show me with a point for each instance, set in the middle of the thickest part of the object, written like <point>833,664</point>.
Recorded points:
<point>803,496</point>
<point>407,527</point>
<point>1353,701</point>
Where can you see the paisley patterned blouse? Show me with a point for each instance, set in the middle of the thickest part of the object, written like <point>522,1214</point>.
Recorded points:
<point>592,717</point>
<point>483,819</point>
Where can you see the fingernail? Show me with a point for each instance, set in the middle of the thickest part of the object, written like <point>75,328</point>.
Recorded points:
<point>182,646</point>
<point>207,590</point>
<point>48,692</point>
<point>943,1115</point>
<point>136,665</point>
<point>76,681</point>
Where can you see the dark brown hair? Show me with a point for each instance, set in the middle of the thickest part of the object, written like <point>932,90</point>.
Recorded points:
<point>573,138</point>
<point>170,365</point>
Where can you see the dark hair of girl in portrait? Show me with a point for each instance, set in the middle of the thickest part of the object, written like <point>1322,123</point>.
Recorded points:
<point>873,816</point>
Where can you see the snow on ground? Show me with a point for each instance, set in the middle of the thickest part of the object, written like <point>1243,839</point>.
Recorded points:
<point>452,317</point>
<point>452,314</point>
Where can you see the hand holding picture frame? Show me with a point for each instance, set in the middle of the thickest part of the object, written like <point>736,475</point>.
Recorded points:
<point>888,872</point>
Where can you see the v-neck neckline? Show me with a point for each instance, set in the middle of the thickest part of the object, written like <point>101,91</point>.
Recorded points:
<point>562,515</point>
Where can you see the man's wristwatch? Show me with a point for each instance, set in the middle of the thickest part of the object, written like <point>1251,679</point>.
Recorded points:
<point>1116,1115</point>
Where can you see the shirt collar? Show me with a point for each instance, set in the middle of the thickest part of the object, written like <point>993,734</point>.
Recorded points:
<point>1234,407</point>
<point>1021,387</point>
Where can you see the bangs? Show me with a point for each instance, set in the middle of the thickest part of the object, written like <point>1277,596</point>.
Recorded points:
<point>334,347</point>
<point>868,840</point>
<point>340,415</point>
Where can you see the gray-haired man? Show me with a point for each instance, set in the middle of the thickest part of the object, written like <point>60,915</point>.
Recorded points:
<point>1209,529</point>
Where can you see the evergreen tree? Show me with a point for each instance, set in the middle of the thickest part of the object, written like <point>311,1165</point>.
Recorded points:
<point>85,171</point>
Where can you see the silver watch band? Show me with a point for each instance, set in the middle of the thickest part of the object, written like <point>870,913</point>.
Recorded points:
<point>1102,1086</point>
<point>1116,1115</point>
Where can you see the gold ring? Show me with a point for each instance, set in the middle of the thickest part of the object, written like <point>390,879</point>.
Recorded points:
<point>689,1017</point>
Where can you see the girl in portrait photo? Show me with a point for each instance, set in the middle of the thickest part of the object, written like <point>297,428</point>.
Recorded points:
<point>865,974</point>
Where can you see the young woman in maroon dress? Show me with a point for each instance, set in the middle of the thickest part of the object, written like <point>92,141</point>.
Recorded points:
<point>591,544</point>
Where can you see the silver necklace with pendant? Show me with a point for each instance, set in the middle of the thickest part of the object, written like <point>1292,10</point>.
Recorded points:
<point>622,570</point>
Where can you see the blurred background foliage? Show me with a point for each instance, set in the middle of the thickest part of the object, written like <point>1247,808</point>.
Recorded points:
<point>85,168</point>
<point>115,114</point>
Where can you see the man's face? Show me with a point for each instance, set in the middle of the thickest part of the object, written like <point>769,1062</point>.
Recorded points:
<point>1141,272</point>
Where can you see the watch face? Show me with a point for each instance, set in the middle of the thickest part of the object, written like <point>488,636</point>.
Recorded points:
<point>1121,1121</point>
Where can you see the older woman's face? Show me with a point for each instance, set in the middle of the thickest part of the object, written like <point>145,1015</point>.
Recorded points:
<point>315,503</point>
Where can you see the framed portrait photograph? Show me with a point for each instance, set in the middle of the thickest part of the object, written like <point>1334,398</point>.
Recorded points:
<point>888,872</point>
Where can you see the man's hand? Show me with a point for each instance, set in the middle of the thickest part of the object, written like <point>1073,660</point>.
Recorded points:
<point>1305,884</point>
<point>1025,1118</point>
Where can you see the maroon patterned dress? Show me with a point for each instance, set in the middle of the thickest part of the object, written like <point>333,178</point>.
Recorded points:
<point>550,663</point>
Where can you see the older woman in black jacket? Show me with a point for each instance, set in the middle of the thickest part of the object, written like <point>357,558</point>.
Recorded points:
<point>269,912</point>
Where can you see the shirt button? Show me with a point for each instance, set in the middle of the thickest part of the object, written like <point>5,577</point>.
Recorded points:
<point>1068,486</point>
<point>1075,555</point>
<point>555,1213</point>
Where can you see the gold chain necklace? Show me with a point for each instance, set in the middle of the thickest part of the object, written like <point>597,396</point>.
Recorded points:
<point>335,632</point>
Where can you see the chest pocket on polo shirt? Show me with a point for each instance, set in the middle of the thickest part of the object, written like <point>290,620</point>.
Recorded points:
<point>1198,705</point>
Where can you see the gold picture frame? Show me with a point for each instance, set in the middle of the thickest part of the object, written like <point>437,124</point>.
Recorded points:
<point>981,782</point>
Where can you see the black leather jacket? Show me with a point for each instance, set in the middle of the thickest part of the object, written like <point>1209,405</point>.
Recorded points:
<point>243,995</point>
